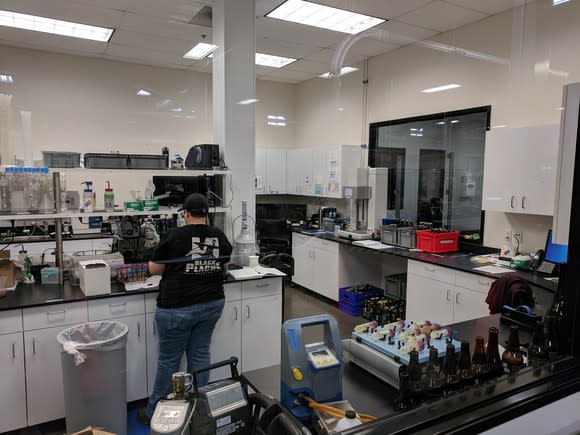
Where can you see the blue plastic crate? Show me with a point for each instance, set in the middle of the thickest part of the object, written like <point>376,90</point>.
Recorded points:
<point>353,310</point>
<point>356,299</point>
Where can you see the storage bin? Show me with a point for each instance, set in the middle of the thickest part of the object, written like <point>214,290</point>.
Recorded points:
<point>61,159</point>
<point>49,275</point>
<point>146,161</point>
<point>430,241</point>
<point>353,310</point>
<point>106,161</point>
<point>352,302</point>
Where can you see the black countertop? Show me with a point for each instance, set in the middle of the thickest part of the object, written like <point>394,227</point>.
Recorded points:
<point>460,260</point>
<point>37,294</point>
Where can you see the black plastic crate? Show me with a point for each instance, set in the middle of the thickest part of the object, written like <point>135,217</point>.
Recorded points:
<point>148,161</point>
<point>61,159</point>
<point>106,161</point>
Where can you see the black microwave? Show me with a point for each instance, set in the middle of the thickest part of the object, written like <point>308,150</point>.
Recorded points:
<point>203,156</point>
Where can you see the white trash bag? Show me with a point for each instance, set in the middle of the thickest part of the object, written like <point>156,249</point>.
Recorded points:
<point>100,336</point>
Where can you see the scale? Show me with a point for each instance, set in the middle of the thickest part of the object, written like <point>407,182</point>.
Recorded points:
<point>313,369</point>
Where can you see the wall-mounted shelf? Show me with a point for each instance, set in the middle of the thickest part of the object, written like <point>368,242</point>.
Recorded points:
<point>72,214</point>
<point>166,172</point>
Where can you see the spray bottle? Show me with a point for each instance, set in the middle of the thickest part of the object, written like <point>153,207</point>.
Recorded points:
<point>245,244</point>
<point>88,197</point>
<point>109,198</point>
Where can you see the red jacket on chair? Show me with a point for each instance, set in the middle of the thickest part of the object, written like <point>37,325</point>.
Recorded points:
<point>512,290</point>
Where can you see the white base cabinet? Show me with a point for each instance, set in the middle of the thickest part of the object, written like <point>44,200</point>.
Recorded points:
<point>445,295</point>
<point>12,382</point>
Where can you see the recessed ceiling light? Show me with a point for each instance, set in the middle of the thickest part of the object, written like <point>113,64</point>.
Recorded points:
<point>248,101</point>
<point>344,70</point>
<point>55,27</point>
<point>440,123</point>
<point>200,51</point>
<point>559,2</point>
<point>6,78</point>
<point>273,61</point>
<point>499,126</point>
<point>177,109</point>
<point>143,93</point>
<point>455,121</point>
<point>324,17</point>
<point>441,88</point>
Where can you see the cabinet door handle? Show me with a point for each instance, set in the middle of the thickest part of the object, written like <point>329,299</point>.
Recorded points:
<point>457,295</point>
<point>122,306</point>
<point>154,327</point>
<point>235,313</point>
<point>512,201</point>
<point>262,285</point>
<point>138,329</point>
<point>34,346</point>
<point>523,202</point>
<point>483,282</point>
<point>247,311</point>
<point>449,293</point>
<point>430,269</point>
<point>13,350</point>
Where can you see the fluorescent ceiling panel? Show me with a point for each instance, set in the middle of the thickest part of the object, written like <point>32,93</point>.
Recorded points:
<point>324,17</point>
<point>344,70</point>
<point>559,2</point>
<point>143,93</point>
<point>273,61</point>
<point>248,101</point>
<point>441,88</point>
<point>55,27</point>
<point>200,51</point>
<point>6,78</point>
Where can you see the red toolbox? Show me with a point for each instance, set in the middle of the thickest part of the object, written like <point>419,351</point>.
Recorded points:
<point>432,241</point>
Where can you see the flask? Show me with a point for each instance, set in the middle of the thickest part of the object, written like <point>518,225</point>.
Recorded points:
<point>109,198</point>
<point>449,370</point>
<point>512,356</point>
<point>478,362</point>
<point>433,381</point>
<point>403,402</point>
<point>349,420</point>
<point>538,350</point>
<point>494,363</point>
<point>465,368</point>
<point>415,373</point>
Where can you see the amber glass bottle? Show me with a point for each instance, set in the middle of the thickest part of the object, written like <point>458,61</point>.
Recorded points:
<point>478,362</point>
<point>494,362</point>
<point>465,371</point>
<point>433,380</point>
<point>513,356</point>
<point>415,373</point>
<point>538,350</point>
<point>449,370</point>
<point>403,402</point>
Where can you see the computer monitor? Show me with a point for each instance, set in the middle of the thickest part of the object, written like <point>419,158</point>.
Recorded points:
<point>555,253</point>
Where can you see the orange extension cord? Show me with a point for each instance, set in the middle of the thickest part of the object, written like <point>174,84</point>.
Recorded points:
<point>331,410</point>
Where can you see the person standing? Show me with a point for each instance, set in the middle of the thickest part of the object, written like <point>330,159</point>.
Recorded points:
<point>191,296</point>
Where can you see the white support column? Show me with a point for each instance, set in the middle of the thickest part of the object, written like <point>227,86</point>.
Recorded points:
<point>234,88</point>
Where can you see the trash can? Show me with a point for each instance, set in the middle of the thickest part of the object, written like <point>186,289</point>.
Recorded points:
<point>94,372</point>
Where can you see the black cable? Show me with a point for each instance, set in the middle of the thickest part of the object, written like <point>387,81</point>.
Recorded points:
<point>13,234</point>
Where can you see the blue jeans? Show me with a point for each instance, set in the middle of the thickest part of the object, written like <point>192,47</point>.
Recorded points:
<point>187,329</point>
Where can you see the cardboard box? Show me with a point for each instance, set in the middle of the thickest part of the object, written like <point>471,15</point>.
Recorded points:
<point>95,277</point>
<point>93,431</point>
<point>7,274</point>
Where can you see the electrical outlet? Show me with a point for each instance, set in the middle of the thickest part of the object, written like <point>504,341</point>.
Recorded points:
<point>517,236</point>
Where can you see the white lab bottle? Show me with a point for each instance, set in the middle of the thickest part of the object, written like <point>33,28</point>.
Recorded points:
<point>507,249</point>
<point>349,420</point>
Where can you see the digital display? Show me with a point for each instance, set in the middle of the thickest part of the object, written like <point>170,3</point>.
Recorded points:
<point>320,353</point>
<point>555,253</point>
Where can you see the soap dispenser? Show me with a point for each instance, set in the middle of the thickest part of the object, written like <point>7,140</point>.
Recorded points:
<point>109,198</point>
<point>88,197</point>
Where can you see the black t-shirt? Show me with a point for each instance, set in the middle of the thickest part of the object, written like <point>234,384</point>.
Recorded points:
<point>200,280</point>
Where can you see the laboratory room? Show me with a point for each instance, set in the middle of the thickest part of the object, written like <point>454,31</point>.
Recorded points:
<point>289,217</point>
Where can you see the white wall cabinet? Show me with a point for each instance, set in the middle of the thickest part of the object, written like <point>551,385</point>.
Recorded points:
<point>445,295</point>
<point>271,171</point>
<point>520,169</point>
<point>261,170</point>
<point>299,171</point>
<point>12,382</point>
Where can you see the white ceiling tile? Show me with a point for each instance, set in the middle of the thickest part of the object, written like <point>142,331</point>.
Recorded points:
<point>441,16</point>
<point>147,54</point>
<point>150,62</point>
<point>372,47</point>
<point>265,6</point>
<point>165,28</point>
<point>42,41</point>
<point>180,11</point>
<point>67,11</point>
<point>490,7</point>
<point>287,74</point>
<point>386,9</point>
<point>400,33</point>
<point>325,55</point>
<point>297,33</point>
<point>153,42</point>
<point>308,66</point>
<point>283,48</point>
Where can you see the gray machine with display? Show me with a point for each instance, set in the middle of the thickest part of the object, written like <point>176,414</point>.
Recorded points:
<point>313,369</point>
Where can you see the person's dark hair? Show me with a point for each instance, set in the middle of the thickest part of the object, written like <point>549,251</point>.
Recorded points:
<point>196,204</point>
